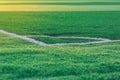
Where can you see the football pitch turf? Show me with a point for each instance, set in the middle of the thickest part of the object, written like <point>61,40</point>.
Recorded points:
<point>24,60</point>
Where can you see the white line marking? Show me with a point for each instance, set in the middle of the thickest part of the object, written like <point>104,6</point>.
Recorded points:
<point>73,37</point>
<point>84,43</point>
<point>102,40</point>
<point>23,37</point>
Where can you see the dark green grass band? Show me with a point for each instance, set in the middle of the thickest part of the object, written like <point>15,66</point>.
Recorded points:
<point>104,24</point>
<point>61,40</point>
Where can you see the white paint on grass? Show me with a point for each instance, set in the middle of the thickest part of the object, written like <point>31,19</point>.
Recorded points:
<point>73,37</point>
<point>99,40</point>
<point>23,37</point>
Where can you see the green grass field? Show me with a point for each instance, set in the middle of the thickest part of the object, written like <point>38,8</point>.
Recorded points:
<point>23,60</point>
<point>61,40</point>
<point>63,3</point>
<point>94,24</point>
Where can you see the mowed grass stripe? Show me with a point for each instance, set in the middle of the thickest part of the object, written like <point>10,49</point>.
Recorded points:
<point>59,8</point>
<point>104,24</point>
<point>61,3</point>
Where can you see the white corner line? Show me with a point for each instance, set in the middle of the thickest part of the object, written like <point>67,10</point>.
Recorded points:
<point>26,38</point>
<point>75,37</point>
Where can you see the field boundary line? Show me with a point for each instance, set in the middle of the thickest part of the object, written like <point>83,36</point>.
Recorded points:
<point>23,37</point>
<point>84,43</point>
<point>73,37</point>
<point>26,38</point>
